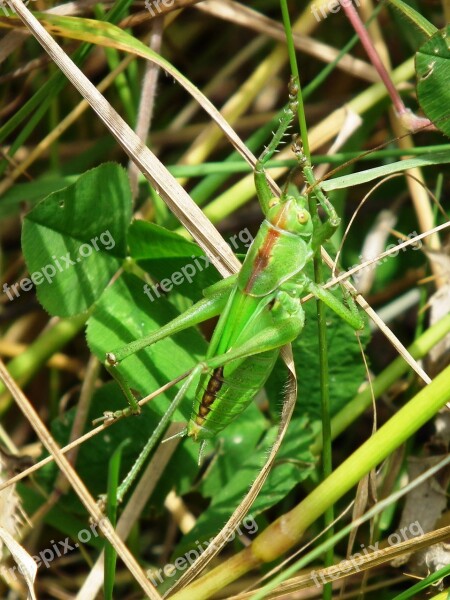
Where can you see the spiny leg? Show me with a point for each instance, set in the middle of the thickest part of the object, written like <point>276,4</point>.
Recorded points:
<point>322,230</point>
<point>201,311</point>
<point>263,190</point>
<point>157,432</point>
<point>322,233</point>
<point>348,313</point>
<point>310,178</point>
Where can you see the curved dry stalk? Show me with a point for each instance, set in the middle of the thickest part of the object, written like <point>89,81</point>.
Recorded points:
<point>222,537</point>
<point>88,435</point>
<point>76,483</point>
<point>345,275</point>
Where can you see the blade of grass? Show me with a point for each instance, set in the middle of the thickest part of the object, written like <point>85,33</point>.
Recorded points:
<point>111,513</point>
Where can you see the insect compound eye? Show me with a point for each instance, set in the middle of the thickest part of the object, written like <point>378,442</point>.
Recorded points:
<point>303,217</point>
<point>273,202</point>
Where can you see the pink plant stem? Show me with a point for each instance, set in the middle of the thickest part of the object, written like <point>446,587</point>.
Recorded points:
<point>406,116</point>
<point>358,26</point>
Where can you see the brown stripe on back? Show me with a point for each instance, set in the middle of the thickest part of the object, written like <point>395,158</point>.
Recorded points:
<point>263,256</point>
<point>214,385</point>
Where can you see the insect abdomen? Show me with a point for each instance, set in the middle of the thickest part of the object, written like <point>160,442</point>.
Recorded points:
<point>215,384</point>
<point>223,394</point>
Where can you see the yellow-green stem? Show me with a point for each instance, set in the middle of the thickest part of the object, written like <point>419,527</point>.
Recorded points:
<point>288,530</point>
<point>23,367</point>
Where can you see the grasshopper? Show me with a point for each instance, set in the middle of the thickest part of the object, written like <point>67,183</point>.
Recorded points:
<point>260,307</point>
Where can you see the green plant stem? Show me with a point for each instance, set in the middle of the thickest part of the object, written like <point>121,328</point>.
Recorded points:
<point>228,167</point>
<point>288,529</point>
<point>23,367</point>
<point>379,507</point>
<point>327,452</point>
<point>327,462</point>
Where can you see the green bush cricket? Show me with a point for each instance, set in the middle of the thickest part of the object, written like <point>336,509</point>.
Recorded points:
<point>260,307</point>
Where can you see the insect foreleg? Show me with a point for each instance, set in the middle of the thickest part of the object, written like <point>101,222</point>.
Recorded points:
<point>350,314</point>
<point>205,309</point>
<point>322,230</point>
<point>263,190</point>
<point>288,320</point>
